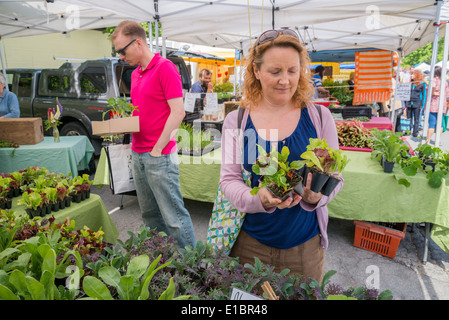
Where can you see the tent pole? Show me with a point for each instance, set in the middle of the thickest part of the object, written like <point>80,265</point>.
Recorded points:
<point>2,57</point>
<point>432,71</point>
<point>150,35</point>
<point>156,24</point>
<point>442,88</point>
<point>235,69</point>
<point>164,49</point>
<point>393,116</point>
<point>272,14</point>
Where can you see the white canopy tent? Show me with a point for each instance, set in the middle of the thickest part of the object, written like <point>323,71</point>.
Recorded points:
<point>423,67</point>
<point>402,26</point>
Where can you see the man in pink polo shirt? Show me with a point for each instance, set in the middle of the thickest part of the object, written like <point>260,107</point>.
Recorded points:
<point>157,91</point>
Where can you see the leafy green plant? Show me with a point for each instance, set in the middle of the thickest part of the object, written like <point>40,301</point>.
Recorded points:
<point>32,200</point>
<point>119,108</point>
<point>339,91</point>
<point>133,285</point>
<point>277,171</point>
<point>388,144</point>
<point>353,134</point>
<point>192,139</point>
<point>323,158</point>
<point>33,274</point>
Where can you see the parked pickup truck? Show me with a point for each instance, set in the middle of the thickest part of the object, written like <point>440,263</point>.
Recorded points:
<point>82,88</point>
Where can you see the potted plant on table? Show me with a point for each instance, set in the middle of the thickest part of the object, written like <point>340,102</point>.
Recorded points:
<point>62,193</point>
<point>5,201</point>
<point>76,189</point>
<point>33,203</point>
<point>52,196</point>
<point>388,148</point>
<point>429,156</point>
<point>279,175</point>
<point>16,183</point>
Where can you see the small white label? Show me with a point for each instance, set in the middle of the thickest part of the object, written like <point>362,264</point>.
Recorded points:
<point>238,294</point>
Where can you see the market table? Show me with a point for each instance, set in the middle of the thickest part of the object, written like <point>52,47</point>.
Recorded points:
<point>198,176</point>
<point>381,123</point>
<point>369,194</point>
<point>73,153</point>
<point>90,212</point>
<point>325,102</point>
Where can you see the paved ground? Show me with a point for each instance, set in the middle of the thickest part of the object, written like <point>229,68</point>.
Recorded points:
<point>405,274</point>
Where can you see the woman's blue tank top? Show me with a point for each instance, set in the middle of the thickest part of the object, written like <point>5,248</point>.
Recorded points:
<point>288,227</point>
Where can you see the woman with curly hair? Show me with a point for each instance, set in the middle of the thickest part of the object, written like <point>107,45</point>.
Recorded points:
<point>277,112</point>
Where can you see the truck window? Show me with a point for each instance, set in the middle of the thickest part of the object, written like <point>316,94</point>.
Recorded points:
<point>93,80</point>
<point>24,85</point>
<point>56,83</point>
<point>9,79</point>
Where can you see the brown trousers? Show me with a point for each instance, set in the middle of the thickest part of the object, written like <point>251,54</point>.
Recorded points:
<point>307,259</point>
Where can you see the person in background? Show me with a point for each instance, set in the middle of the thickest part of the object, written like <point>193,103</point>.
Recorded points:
<point>414,107</point>
<point>9,104</point>
<point>204,84</point>
<point>157,91</point>
<point>351,85</point>
<point>317,79</point>
<point>278,112</point>
<point>435,103</point>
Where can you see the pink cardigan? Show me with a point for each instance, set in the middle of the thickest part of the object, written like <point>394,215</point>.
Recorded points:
<point>238,193</point>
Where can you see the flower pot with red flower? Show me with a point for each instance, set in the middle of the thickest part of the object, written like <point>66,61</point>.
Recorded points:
<point>53,121</point>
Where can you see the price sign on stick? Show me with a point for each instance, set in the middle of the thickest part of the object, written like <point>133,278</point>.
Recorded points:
<point>212,101</point>
<point>189,101</point>
<point>403,91</point>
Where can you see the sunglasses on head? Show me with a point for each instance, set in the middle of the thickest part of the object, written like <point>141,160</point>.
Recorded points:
<point>122,50</point>
<point>273,34</point>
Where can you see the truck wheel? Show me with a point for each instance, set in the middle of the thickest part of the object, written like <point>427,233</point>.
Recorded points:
<point>73,129</point>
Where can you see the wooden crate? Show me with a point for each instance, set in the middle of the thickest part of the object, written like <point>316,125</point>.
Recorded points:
<point>115,126</point>
<point>22,130</point>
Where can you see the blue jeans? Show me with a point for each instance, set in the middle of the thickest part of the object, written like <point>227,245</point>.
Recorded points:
<point>159,196</point>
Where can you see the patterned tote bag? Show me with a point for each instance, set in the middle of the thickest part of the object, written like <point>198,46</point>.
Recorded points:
<point>226,221</point>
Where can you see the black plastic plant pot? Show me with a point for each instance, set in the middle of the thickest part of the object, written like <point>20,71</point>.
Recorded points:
<point>301,172</point>
<point>318,181</point>
<point>330,185</point>
<point>55,206</point>
<point>34,213</point>
<point>6,204</point>
<point>283,197</point>
<point>62,204</point>
<point>68,202</point>
<point>388,166</point>
<point>299,188</point>
<point>305,174</point>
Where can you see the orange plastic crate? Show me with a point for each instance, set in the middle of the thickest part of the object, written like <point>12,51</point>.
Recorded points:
<point>378,239</point>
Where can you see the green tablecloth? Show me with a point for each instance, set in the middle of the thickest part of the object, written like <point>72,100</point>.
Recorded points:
<point>90,212</point>
<point>73,153</point>
<point>369,194</point>
<point>198,176</point>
